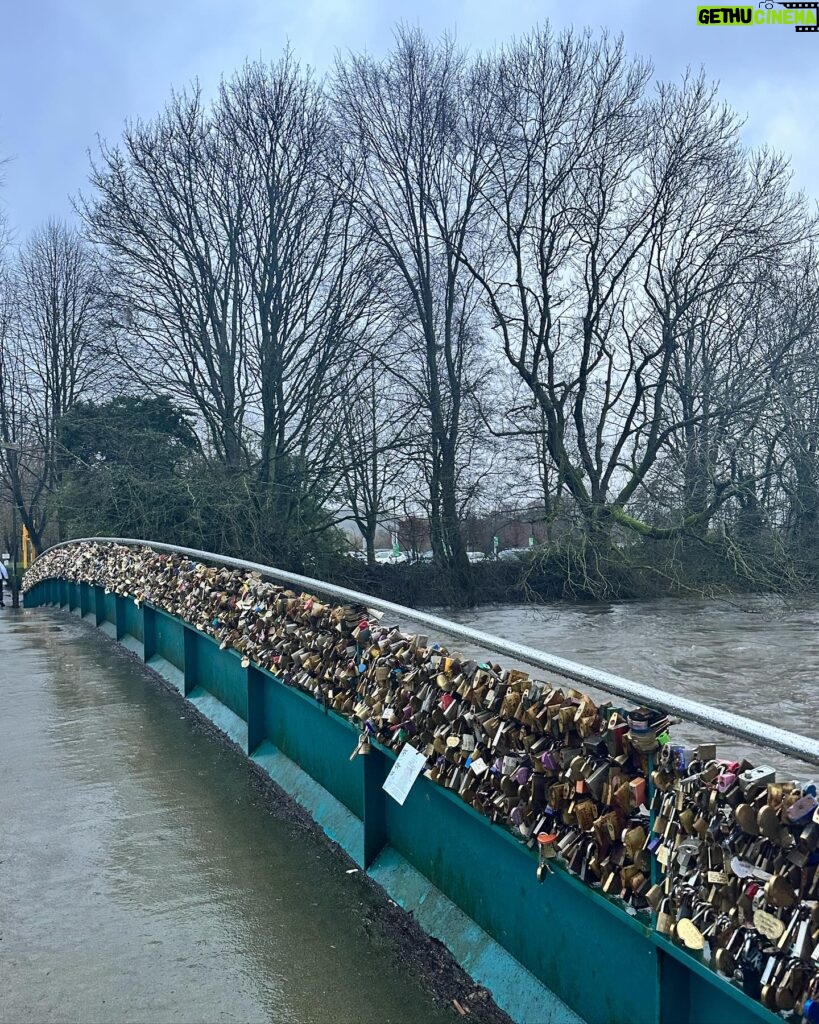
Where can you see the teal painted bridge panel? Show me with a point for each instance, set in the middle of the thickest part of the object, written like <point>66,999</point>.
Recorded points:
<point>515,990</point>
<point>339,823</point>
<point>221,715</point>
<point>564,933</point>
<point>88,597</point>
<point>167,649</point>
<point>221,673</point>
<point>317,740</point>
<point>133,621</point>
<point>169,639</point>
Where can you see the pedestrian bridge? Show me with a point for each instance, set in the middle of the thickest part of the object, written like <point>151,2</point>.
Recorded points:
<point>602,933</point>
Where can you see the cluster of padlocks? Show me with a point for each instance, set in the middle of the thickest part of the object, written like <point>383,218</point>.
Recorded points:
<point>721,855</point>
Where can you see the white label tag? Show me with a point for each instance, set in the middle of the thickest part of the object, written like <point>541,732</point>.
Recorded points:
<point>479,766</point>
<point>404,772</point>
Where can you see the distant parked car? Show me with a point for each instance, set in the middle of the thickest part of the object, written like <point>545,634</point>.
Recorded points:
<point>386,556</point>
<point>476,556</point>
<point>510,554</point>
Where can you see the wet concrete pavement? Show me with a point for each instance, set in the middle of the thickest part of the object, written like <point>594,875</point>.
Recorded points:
<point>143,876</point>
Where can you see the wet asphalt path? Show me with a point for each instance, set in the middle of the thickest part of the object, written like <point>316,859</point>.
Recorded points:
<point>142,876</point>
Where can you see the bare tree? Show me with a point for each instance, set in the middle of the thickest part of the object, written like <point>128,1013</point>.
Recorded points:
<point>617,217</point>
<point>63,323</point>
<point>794,405</point>
<point>726,229</point>
<point>306,269</point>
<point>167,214</point>
<point>569,229</point>
<point>416,127</point>
<point>376,446</point>
<point>54,353</point>
<point>240,282</point>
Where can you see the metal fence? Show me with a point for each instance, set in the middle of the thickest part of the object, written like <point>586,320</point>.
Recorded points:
<point>758,733</point>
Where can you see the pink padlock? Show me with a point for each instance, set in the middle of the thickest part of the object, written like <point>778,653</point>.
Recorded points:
<point>804,806</point>
<point>725,781</point>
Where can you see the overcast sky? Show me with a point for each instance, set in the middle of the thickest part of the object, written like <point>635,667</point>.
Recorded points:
<point>70,69</point>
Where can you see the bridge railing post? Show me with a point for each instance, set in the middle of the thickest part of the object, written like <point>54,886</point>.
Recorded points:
<point>374,769</point>
<point>148,632</point>
<point>120,614</point>
<point>190,667</point>
<point>255,708</point>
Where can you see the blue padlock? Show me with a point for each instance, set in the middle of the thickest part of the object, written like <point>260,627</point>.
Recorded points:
<point>811,1011</point>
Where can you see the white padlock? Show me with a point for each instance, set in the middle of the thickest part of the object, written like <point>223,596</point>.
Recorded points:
<point>761,776</point>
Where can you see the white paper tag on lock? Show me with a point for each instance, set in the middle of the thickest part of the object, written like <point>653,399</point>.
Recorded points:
<point>408,766</point>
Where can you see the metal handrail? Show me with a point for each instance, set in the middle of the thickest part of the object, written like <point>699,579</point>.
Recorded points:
<point>758,733</point>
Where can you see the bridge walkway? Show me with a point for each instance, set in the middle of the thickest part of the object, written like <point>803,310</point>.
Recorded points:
<point>139,880</point>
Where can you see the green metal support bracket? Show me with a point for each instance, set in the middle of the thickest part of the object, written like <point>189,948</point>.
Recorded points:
<point>191,642</point>
<point>255,708</point>
<point>148,632</point>
<point>120,623</point>
<point>374,768</point>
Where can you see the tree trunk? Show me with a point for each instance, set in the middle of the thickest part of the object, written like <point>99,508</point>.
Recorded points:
<point>371,526</point>
<point>457,561</point>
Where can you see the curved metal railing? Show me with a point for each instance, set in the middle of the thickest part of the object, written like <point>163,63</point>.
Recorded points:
<point>758,733</point>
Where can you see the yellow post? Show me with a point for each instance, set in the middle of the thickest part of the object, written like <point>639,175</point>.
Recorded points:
<point>25,546</point>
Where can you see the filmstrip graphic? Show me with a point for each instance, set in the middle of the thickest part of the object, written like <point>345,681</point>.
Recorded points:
<point>767,5</point>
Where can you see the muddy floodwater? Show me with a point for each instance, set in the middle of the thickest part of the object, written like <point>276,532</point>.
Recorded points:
<point>142,876</point>
<point>756,656</point>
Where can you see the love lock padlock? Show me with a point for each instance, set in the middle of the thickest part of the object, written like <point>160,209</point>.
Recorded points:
<point>363,746</point>
<point>545,852</point>
<point>751,964</point>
